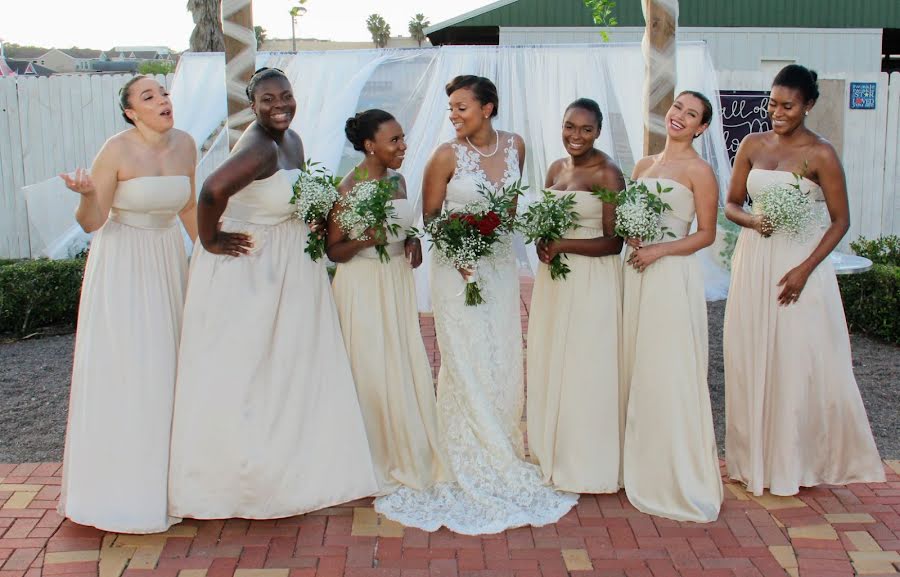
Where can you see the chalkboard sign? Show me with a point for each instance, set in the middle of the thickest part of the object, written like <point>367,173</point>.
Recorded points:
<point>743,113</point>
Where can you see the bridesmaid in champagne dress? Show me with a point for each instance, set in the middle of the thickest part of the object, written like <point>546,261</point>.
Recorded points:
<point>670,463</point>
<point>794,414</point>
<point>267,423</point>
<point>376,303</point>
<point>123,379</point>
<point>575,324</point>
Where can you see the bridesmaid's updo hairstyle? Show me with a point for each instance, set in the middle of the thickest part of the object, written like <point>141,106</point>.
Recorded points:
<point>706,117</point>
<point>260,75</point>
<point>799,78</point>
<point>484,90</point>
<point>125,96</point>
<point>590,106</point>
<point>364,125</point>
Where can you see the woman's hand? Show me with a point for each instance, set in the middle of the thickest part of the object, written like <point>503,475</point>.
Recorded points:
<point>229,243</point>
<point>81,182</point>
<point>762,225</point>
<point>792,285</point>
<point>546,250</point>
<point>634,243</point>
<point>413,249</point>
<point>643,256</point>
<point>318,227</point>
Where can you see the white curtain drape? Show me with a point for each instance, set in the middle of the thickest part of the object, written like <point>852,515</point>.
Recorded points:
<point>535,84</point>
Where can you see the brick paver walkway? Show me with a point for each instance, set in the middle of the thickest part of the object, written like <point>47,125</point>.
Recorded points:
<point>822,532</point>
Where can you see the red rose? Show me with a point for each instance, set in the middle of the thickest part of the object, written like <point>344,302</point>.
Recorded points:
<point>470,219</point>
<point>488,223</point>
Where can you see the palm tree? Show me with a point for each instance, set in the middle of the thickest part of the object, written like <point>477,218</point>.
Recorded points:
<point>379,29</point>
<point>417,28</point>
<point>296,12</point>
<point>260,36</point>
<point>207,35</point>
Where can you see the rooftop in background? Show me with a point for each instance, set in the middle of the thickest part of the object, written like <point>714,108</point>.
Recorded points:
<point>691,13</point>
<point>136,49</point>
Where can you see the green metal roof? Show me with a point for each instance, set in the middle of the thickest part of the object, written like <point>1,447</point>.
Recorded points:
<point>693,13</point>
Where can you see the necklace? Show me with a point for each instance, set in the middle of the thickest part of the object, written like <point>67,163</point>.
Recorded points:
<point>496,146</point>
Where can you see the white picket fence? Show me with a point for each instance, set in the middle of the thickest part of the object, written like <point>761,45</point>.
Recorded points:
<point>52,125</point>
<point>47,126</point>
<point>871,139</point>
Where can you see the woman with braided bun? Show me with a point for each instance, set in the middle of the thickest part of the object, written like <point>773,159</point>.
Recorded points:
<point>376,302</point>
<point>264,392</point>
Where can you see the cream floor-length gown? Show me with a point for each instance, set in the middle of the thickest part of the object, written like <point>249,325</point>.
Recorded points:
<point>126,345</point>
<point>574,331</point>
<point>794,415</point>
<point>376,303</point>
<point>670,461</point>
<point>267,422</point>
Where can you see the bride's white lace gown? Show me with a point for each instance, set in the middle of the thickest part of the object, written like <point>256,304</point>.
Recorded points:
<point>480,392</point>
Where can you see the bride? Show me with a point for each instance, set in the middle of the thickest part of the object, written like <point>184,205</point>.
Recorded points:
<point>480,384</point>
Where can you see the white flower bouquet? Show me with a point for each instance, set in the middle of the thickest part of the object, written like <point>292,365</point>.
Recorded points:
<point>367,208</point>
<point>315,192</point>
<point>785,208</point>
<point>639,210</point>
<point>548,220</point>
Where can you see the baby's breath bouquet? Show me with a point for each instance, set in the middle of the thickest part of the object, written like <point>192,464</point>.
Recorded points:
<point>463,237</point>
<point>315,192</point>
<point>367,207</point>
<point>548,220</point>
<point>638,210</point>
<point>785,208</point>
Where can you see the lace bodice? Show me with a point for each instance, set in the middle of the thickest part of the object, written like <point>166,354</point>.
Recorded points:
<point>470,175</point>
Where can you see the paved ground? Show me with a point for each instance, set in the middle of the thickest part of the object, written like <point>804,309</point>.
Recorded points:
<point>823,532</point>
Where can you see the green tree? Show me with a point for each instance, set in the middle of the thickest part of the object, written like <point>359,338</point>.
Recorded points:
<point>207,35</point>
<point>417,28</point>
<point>379,29</point>
<point>260,36</point>
<point>602,13</point>
<point>156,67</point>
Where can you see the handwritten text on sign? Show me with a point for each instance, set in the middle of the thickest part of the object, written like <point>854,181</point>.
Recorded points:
<point>743,113</point>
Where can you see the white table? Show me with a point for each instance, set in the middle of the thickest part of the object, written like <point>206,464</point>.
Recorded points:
<point>849,263</point>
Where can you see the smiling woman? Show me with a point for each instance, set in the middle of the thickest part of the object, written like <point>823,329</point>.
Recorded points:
<point>263,374</point>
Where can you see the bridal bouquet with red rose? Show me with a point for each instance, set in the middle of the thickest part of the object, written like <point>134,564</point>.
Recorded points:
<point>466,236</point>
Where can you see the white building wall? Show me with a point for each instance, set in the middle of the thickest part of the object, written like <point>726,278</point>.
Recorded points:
<point>826,50</point>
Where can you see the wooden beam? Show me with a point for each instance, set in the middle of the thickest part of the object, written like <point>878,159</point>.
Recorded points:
<point>240,63</point>
<point>658,46</point>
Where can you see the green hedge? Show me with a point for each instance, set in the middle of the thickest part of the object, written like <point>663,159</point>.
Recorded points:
<point>39,293</point>
<point>871,302</point>
<point>872,299</point>
<point>882,250</point>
